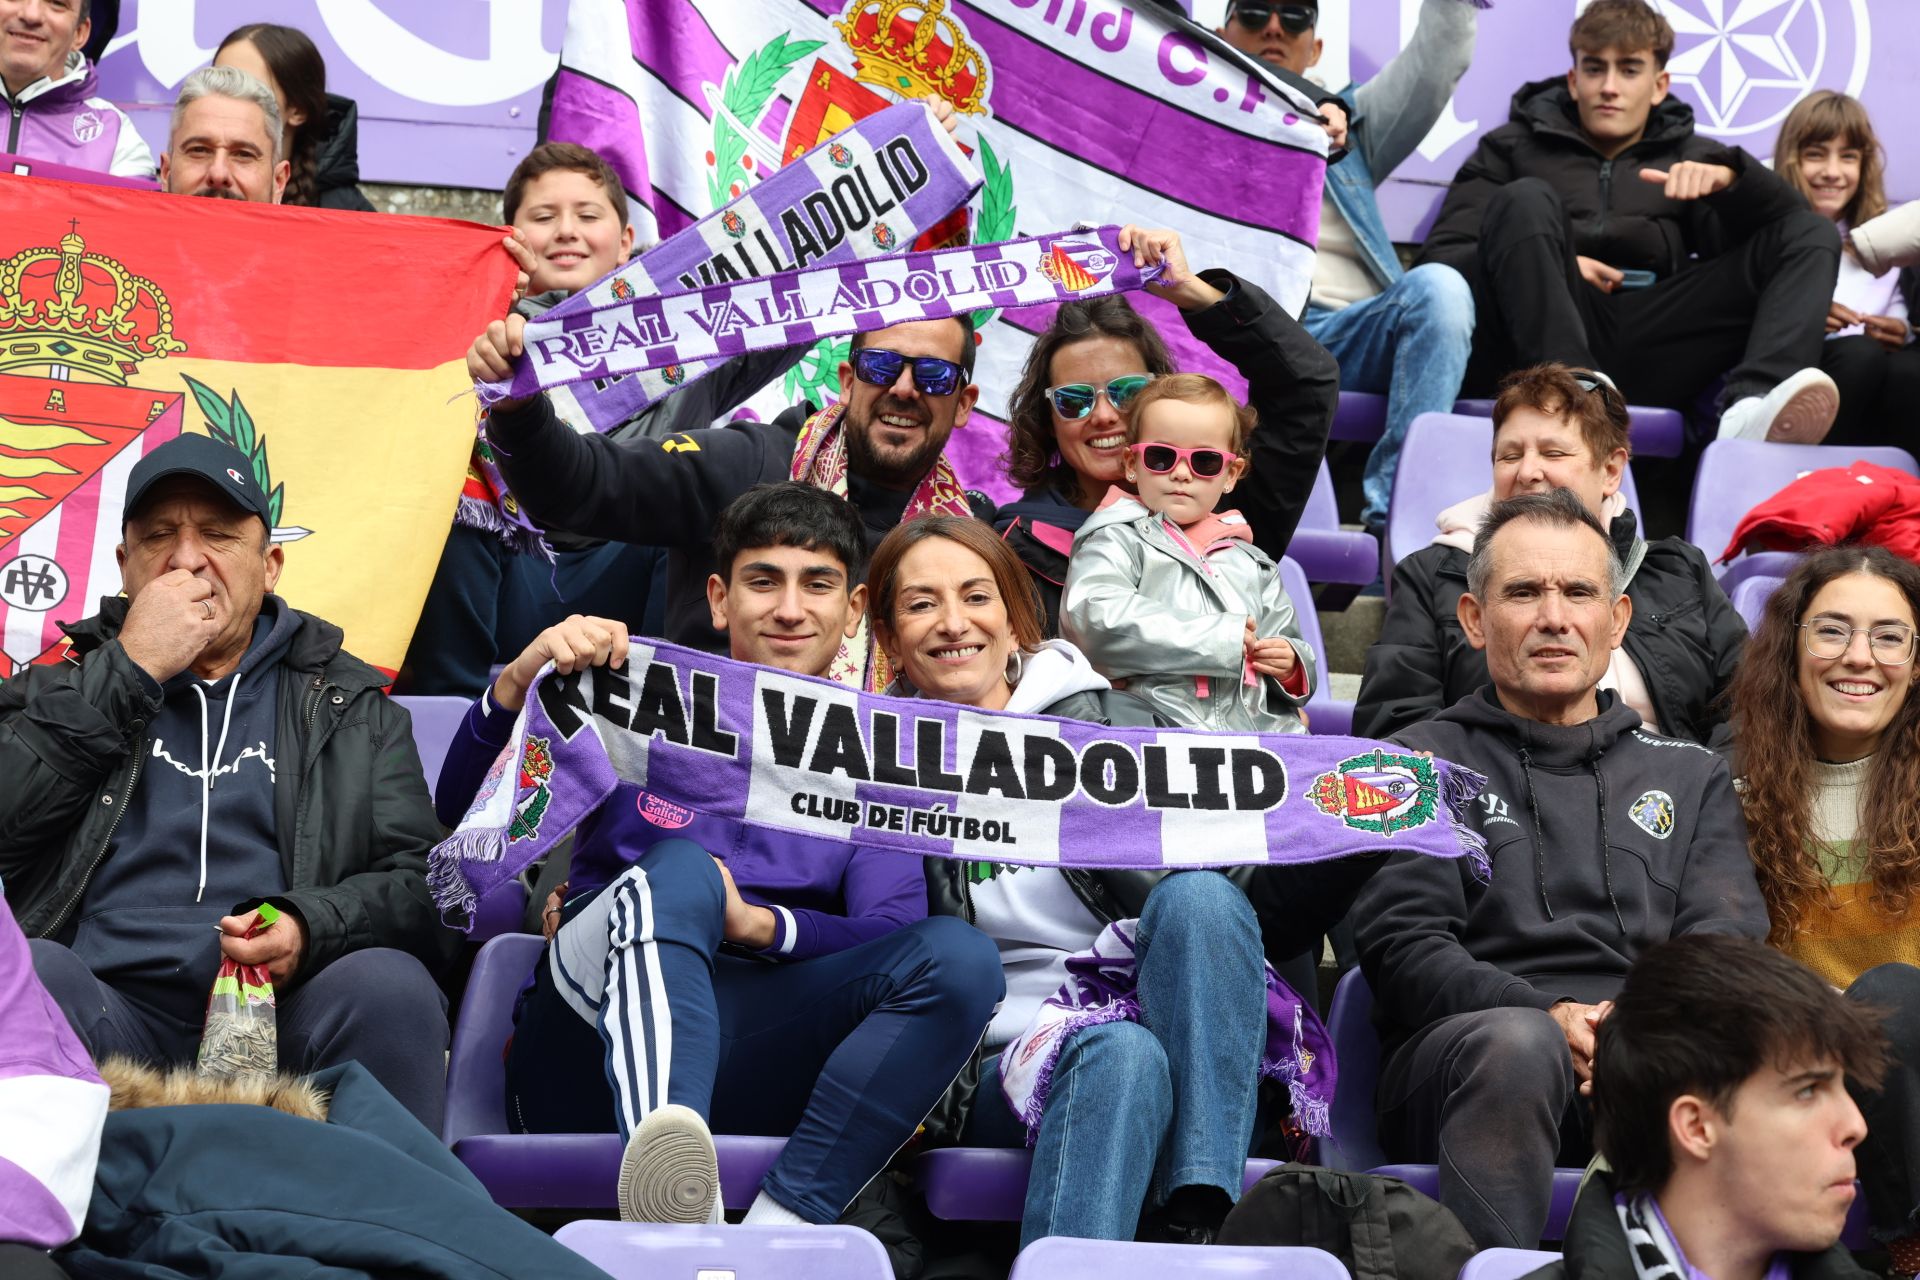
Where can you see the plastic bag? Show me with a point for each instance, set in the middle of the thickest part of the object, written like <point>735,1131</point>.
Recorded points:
<point>239,1038</point>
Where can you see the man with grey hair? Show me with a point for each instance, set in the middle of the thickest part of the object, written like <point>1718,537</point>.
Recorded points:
<point>1603,840</point>
<point>225,139</point>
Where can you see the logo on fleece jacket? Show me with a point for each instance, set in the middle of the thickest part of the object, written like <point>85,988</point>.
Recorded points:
<point>1653,814</point>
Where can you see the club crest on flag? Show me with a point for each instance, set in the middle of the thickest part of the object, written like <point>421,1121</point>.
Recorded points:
<point>1379,792</point>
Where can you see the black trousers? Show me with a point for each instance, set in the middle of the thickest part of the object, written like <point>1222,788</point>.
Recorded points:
<point>1889,1159</point>
<point>1491,1097</point>
<point>1879,392</point>
<point>24,1262</point>
<point>1756,313</point>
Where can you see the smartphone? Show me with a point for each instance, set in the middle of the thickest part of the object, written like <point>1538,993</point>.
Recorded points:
<point>1637,279</point>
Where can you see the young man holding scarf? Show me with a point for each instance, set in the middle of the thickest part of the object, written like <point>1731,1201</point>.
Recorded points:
<point>775,983</point>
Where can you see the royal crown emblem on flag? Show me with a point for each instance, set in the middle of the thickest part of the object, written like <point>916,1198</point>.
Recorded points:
<point>1380,792</point>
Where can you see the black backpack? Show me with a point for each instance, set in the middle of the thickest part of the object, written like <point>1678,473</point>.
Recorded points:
<point>1381,1228</point>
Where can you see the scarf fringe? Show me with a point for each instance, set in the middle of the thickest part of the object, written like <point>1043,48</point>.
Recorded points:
<point>1125,1009</point>
<point>446,873</point>
<point>1463,786</point>
<point>477,513</point>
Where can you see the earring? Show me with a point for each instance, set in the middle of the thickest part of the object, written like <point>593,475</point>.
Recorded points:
<point>1016,667</point>
<point>1053,459</point>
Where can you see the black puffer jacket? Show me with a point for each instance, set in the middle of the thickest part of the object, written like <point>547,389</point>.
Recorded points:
<point>337,161</point>
<point>1617,218</point>
<point>354,823</point>
<point>1685,637</point>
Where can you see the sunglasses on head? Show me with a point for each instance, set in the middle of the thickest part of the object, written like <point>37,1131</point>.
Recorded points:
<point>1588,382</point>
<point>931,375</point>
<point>1294,18</point>
<point>1075,400</point>
<point>1162,458</point>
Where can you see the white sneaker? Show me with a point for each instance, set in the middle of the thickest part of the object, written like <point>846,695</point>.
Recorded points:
<point>669,1172</point>
<point>1798,411</point>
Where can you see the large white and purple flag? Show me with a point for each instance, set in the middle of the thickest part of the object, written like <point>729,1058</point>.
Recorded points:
<point>1095,111</point>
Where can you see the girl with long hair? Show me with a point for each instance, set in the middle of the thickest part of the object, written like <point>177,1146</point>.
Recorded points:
<point>1829,152</point>
<point>1827,734</point>
<point>320,130</point>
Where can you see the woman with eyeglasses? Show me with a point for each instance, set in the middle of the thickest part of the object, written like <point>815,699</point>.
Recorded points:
<point>1066,434</point>
<point>1555,427</point>
<point>1827,739</point>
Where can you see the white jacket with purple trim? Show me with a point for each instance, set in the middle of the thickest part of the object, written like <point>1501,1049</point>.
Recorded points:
<point>52,1106</point>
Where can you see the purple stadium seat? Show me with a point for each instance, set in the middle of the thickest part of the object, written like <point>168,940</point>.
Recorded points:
<point>989,1184</point>
<point>1324,714</point>
<point>1736,476</point>
<point>1062,1258</point>
<point>1506,1264</point>
<point>643,1251</point>
<point>1654,433</point>
<point>544,1170</point>
<point>1323,549</point>
<point>1425,1178</point>
<point>1355,1143</point>
<point>1447,458</point>
<point>1359,416</point>
<point>1749,597</point>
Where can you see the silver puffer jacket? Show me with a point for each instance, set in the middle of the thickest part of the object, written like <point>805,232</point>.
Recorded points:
<point>1145,611</point>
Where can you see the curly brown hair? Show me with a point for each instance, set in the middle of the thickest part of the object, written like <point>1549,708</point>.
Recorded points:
<point>1031,460</point>
<point>1774,734</point>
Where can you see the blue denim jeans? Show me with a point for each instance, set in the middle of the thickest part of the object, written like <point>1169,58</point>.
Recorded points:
<point>1411,344</point>
<point>1139,1110</point>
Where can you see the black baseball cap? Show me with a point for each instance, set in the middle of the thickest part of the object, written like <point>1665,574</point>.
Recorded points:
<point>220,465</point>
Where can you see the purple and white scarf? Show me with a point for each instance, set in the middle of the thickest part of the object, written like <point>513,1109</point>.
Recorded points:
<point>705,735</point>
<point>1101,987</point>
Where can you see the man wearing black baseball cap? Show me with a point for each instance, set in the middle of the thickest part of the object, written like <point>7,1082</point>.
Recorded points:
<point>206,751</point>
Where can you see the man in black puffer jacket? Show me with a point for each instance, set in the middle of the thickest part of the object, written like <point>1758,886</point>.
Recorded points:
<point>1599,230</point>
<point>204,750</point>
<point>1603,839</point>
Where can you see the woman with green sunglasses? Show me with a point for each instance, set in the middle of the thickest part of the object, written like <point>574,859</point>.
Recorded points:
<point>1066,433</point>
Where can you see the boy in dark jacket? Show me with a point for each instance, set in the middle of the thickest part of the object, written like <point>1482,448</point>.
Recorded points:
<point>1600,231</point>
<point>206,749</point>
<point>1721,1083</point>
<point>1603,838</point>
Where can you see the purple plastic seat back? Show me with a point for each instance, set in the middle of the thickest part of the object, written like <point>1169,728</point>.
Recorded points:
<point>1323,549</point>
<point>1062,1258</point>
<point>1735,476</point>
<point>1447,459</point>
<point>1750,597</point>
<point>1506,1264</point>
<point>1355,1143</point>
<point>1360,415</point>
<point>1425,1178</point>
<point>545,1170</point>
<point>1324,714</point>
<point>646,1251</point>
<point>989,1184</point>
<point>435,721</point>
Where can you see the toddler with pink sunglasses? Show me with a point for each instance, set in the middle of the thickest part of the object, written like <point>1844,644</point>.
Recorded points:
<point>1171,596</point>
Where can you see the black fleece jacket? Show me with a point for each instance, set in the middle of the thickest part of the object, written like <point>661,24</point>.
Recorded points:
<point>1617,218</point>
<point>1604,839</point>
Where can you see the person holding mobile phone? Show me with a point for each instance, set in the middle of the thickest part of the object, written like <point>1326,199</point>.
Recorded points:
<point>1598,174</point>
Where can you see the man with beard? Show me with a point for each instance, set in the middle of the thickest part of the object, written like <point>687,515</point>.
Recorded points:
<point>224,140</point>
<point>903,391</point>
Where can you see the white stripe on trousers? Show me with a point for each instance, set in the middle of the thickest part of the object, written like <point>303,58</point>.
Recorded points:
<point>633,980</point>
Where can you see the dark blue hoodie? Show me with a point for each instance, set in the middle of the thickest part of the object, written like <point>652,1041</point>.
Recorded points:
<point>188,848</point>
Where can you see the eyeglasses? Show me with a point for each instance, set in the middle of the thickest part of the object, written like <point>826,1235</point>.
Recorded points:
<point>1890,643</point>
<point>1294,18</point>
<point>1162,458</point>
<point>1075,400</point>
<point>931,375</point>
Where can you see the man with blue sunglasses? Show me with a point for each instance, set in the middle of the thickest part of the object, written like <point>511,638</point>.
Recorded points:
<point>1403,334</point>
<point>903,392</point>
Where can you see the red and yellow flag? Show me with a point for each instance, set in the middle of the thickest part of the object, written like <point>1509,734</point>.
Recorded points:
<point>329,347</point>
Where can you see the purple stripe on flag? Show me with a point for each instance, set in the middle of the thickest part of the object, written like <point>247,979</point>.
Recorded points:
<point>596,115</point>
<point>674,42</point>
